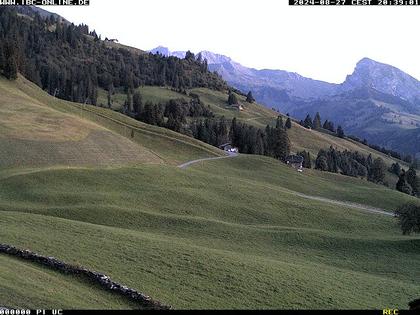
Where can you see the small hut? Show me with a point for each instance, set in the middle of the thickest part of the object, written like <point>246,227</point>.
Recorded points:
<point>295,161</point>
<point>228,147</point>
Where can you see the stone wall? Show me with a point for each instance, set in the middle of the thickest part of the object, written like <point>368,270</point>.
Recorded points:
<point>144,301</point>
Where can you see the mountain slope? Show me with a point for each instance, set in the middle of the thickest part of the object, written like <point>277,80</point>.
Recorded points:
<point>377,102</point>
<point>40,130</point>
<point>253,114</point>
<point>383,78</point>
<point>34,134</point>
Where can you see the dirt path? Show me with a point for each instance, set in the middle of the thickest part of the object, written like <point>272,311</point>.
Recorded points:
<point>322,199</point>
<point>230,155</point>
<point>347,204</point>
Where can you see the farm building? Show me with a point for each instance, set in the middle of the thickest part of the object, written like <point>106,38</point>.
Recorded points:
<point>239,107</point>
<point>228,148</point>
<point>295,161</point>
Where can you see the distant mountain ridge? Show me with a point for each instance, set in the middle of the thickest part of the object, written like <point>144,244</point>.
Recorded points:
<point>245,78</point>
<point>377,101</point>
<point>367,74</point>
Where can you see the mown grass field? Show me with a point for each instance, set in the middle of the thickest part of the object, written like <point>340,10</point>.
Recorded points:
<point>218,235</point>
<point>39,130</point>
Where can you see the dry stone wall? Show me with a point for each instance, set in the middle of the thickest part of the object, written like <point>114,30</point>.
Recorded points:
<point>144,301</point>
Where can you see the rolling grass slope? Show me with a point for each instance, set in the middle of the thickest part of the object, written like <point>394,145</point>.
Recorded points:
<point>220,234</point>
<point>39,130</point>
<point>33,134</point>
<point>229,233</point>
<point>300,137</point>
<point>259,116</point>
<point>253,114</point>
<point>26,285</point>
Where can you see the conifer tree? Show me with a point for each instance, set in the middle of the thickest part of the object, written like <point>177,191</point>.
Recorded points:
<point>321,162</point>
<point>377,171</point>
<point>250,98</point>
<point>10,69</point>
<point>2,58</point>
<point>109,94</point>
<point>307,123</point>
<point>413,180</point>
<point>288,123</point>
<point>279,122</point>
<point>137,103</point>
<point>402,185</point>
<point>340,132</point>
<point>317,121</point>
<point>281,144</point>
<point>232,100</point>
<point>307,163</point>
<point>128,103</point>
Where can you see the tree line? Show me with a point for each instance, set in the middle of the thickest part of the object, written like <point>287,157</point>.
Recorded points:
<point>58,57</point>
<point>195,119</point>
<point>316,124</point>
<point>352,164</point>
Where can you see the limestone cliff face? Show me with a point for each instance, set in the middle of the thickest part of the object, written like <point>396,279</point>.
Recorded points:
<point>383,78</point>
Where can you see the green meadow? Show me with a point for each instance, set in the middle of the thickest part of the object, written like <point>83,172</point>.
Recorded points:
<point>230,233</point>
<point>206,238</point>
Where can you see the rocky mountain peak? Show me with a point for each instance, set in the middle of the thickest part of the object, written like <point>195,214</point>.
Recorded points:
<point>384,78</point>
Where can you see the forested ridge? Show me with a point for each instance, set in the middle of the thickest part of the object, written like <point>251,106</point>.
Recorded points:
<point>71,61</point>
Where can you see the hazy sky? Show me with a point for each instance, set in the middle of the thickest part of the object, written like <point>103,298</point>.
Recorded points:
<point>323,43</point>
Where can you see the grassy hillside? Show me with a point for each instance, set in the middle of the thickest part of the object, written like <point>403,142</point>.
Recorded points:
<point>232,233</point>
<point>258,116</point>
<point>34,134</point>
<point>221,234</point>
<point>39,130</point>
<point>300,137</point>
<point>27,285</point>
<point>253,114</point>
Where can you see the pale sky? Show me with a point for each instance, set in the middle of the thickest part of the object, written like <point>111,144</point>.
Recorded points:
<point>322,43</point>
